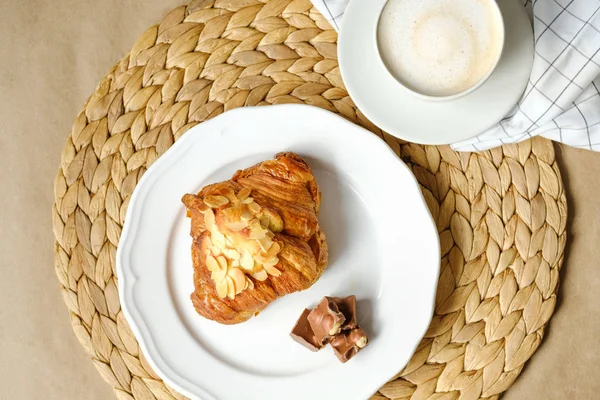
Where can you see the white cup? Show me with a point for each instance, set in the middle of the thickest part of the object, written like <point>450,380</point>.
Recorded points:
<point>440,49</point>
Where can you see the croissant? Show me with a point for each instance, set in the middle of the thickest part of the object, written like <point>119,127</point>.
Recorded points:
<point>256,237</point>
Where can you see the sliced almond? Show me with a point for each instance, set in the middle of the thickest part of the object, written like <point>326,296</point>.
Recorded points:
<point>243,194</point>
<point>217,238</point>
<point>215,250</point>
<point>260,275</point>
<point>215,247</point>
<point>222,262</point>
<point>228,212</point>
<point>236,226</point>
<point>273,250</point>
<point>230,287</point>
<point>233,214</point>
<point>256,230</point>
<point>246,261</point>
<point>250,283</point>
<point>249,200</point>
<point>215,201</point>
<point>260,258</point>
<point>256,234</point>
<point>253,208</point>
<point>232,254</point>
<point>209,219</point>
<point>252,246</point>
<point>271,262</point>
<point>254,224</point>
<point>271,270</point>
<point>265,244</point>
<point>212,264</point>
<point>229,193</point>
<point>222,288</point>
<point>264,220</point>
<point>218,275</point>
<point>246,215</point>
<point>239,279</point>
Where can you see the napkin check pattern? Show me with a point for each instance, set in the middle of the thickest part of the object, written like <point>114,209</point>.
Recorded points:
<point>562,99</point>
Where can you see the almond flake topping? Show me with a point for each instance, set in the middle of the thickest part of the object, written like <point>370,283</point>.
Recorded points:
<point>240,244</point>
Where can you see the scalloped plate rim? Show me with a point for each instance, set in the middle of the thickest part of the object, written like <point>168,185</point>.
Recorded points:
<point>128,280</point>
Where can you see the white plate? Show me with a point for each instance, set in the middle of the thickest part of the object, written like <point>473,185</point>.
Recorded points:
<point>383,248</point>
<point>391,107</point>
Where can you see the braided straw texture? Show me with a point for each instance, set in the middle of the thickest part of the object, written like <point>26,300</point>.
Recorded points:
<point>501,214</point>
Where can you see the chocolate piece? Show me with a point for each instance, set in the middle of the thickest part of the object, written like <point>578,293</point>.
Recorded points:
<point>348,343</point>
<point>326,320</point>
<point>347,305</point>
<point>303,334</point>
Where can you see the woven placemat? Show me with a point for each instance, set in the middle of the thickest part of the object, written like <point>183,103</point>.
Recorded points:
<point>501,214</point>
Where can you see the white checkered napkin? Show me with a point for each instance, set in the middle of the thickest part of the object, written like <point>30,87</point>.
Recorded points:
<point>562,99</point>
<point>333,10</point>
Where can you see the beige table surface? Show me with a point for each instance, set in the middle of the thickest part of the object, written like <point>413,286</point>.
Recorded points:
<point>52,54</point>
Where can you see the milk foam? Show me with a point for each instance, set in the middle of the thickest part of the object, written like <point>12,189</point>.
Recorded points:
<point>440,47</point>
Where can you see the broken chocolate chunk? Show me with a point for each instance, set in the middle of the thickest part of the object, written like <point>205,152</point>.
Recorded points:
<point>347,306</point>
<point>303,333</point>
<point>348,343</point>
<point>333,321</point>
<point>326,320</point>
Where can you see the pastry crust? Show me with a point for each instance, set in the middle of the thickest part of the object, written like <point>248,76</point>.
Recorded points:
<point>287,191</point>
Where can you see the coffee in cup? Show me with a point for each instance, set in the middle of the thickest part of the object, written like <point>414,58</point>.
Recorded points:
<point>440,49</point>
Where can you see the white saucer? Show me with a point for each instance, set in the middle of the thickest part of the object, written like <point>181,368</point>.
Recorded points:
<point>388,105</point>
